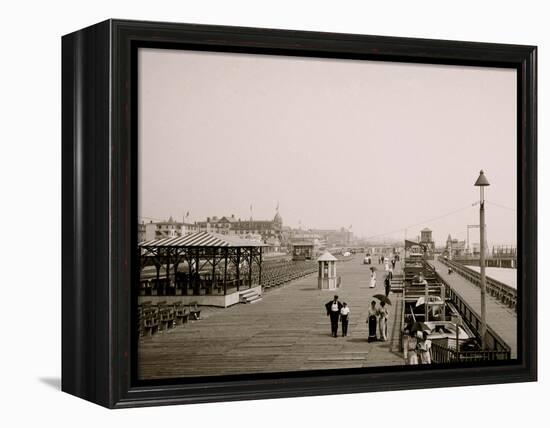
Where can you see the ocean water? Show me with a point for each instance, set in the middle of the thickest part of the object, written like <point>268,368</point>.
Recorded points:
<point>504,275</point>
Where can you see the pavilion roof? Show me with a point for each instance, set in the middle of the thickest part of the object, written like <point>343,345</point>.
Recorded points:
<point>202,239</point>
<point>327,257</point>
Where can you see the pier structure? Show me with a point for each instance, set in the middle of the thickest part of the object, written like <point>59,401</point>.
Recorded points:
<point>459,304</point>
<point>501,310</point>
<point>497,258</point>
<point>288,329</point>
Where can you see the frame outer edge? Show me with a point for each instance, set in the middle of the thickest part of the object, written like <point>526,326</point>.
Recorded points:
<point>86,320</point>
<point>531,204</point>
<point>103,331</point>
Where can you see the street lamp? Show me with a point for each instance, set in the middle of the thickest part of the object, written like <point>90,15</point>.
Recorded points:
<point>482,182</point>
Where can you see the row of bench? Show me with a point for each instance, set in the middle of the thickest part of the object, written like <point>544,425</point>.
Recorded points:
<point>154,318</point>
<point>282,273</point>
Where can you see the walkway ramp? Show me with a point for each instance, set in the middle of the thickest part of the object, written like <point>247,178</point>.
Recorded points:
<point>502,319</point>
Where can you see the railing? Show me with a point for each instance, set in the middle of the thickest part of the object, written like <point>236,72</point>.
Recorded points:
<point>444,354</point>
<point>501,260</point>
<point>504,293</point>
<point>493,341</point>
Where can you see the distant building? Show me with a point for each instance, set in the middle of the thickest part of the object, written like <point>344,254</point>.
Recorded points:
<point>168,229</point>
<point>427,240</point>
<point>188,228</point>
<point>268,230</point>
<point>334,237</point>
<point>305,249</point>
<point>146,231</point>
<point>221,225</point>
<point>164,229</point>
<point>454,247</point>
<point>505,250</point>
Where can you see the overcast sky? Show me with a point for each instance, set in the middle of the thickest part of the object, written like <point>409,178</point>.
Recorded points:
<point>379,146</point>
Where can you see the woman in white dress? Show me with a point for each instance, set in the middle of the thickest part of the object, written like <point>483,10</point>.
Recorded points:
<point>410,353</point>
<point>424,347</point>
<point>383,321</point>
<point>372,278</point>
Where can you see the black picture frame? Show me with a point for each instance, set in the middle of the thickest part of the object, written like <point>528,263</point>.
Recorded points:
<point>99,220</point>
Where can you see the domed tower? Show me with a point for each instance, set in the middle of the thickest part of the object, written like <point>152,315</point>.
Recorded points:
<point>278,219</point>
<point>278,225</point>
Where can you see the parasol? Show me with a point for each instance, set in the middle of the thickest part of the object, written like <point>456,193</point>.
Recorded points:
<point>382,298</point>
<point>420,326</point>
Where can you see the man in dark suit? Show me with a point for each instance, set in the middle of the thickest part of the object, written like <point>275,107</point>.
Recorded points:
<point>333,311</point>
<point>387,285</point>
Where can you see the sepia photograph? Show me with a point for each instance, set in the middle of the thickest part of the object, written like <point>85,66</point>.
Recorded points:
<point>304,214</point>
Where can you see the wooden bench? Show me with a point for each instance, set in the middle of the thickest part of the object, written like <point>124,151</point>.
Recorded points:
<point>181,314</point>
<point>149,324</point>
<point>166,316</point>
<point>194,311</point>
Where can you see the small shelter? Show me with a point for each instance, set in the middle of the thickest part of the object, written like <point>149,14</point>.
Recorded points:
<point>302,250</point>
<point>327,272</point>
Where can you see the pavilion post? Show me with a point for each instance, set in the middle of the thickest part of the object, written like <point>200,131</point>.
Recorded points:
<point>197,284</point>
<point>176,263</point>
<point>226,255</point>
<point>167,284</point>
<point>213,270</point>
<point>157,266</point>
<point>260,269</point>
<point>250,268</point>
<point>190,276</point>
<point>238,267</point>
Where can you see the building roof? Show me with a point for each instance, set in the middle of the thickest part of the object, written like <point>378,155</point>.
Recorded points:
<point>303,244</point>
<point>426,230</point>
<point>327,257</point>
<point>202,239</point>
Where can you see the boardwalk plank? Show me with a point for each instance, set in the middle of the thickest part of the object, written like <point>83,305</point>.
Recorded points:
<point>287,331</point>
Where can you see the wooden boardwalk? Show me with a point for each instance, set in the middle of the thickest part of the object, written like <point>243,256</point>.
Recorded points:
<point>500,318</point>
<point>287,331</point>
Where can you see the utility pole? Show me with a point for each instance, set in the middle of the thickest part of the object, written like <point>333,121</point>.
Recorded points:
<point>482,182</point>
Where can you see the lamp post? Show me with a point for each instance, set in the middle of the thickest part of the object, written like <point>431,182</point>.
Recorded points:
<point>482,182</point>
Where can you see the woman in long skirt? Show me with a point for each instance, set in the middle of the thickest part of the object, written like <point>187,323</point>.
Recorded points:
<point>409,348</point>
<point>372,278</point>
<point>371,321</point>
<point>423,348</point>
<point>383,321</point>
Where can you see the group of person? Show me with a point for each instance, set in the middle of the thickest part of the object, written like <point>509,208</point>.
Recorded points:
<point>377,319</point>
<point>377,316</point>
<point>384,260</point>
<point>416,346</point>
<point>338,312</point>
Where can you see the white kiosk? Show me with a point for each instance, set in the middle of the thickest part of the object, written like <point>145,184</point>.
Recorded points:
<point>327,272</point>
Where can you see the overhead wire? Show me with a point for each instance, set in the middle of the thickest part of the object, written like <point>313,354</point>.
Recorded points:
<point>448,214</point>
